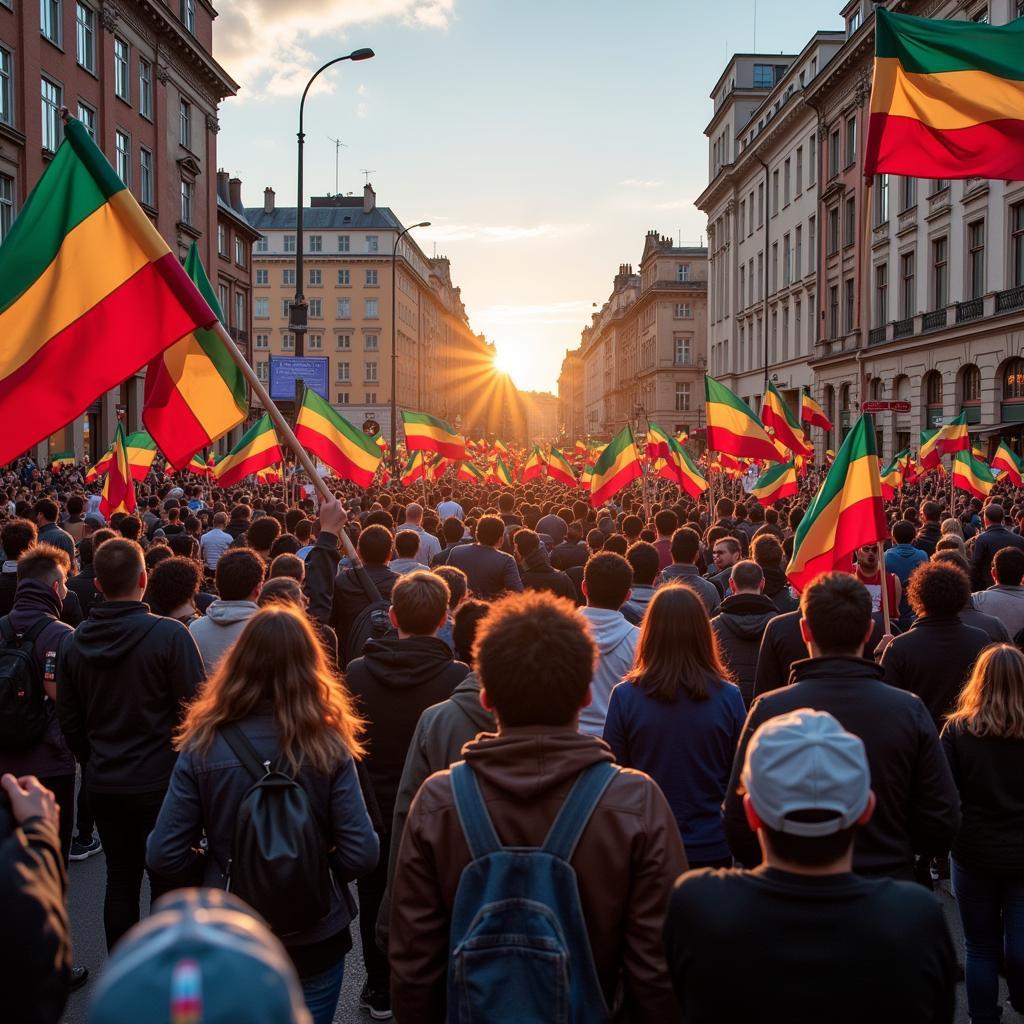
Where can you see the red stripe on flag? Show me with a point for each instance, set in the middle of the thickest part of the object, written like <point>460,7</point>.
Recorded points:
<point>168,415</point>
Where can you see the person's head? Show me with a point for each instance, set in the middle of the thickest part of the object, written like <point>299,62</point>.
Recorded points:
<point>992,700</point>
<point>1008,567</point>
<point>807,787</point>
<point>835,615</point>
<point>938,589</point>
<point>993,515</point>
<point>45,511</point>
<point>262,534</point>
<point>239,575</point>
<point>903,532</point>
<point>767,551</point>
<point>952,526</point>
<point>931,511</point>
<point>643,560</point>
<point>286,544</point>
<point>747,577</point>
<point>867,559</point>
<point>506,502</point>
<point>75,504</point>
<point>374,544</point>
<point>740,512</point>
<point>616,543</point>
<point>419,604</point>
<point>414,513</point>
<point>282,590</point>
<point>535,658</point>
<point>407,543</point>
<point>951,542</point>
<point>48,565</point>
<point>452,530</point>
<point>595,540</point>
<point>220,520</point>
<point>101,536</point>
<point>278,660</point>
<point>120,570</point>
<point>526,542</point>
<point>465,621</point>
<point>490,530</point>
<point>458,584</point>
<point>724,508</point>
<point>726,552</point>
<point>631,527</point>
<point>607,579</point>
<point>16,537</point>
<point>685,546</point>
<point>677,649</point>
<point>666,523</point>
<point>172,584</point>
<point>288,565</point>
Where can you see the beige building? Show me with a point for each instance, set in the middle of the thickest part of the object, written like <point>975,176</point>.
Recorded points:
<point>645,351</point>
<point>442,366</point>
<point>541,409</point>
<point>570,397</point>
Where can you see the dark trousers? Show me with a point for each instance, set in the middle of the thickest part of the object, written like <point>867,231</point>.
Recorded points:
<point>371,893</point>
<point>84,824</point>
<point>124,821</point>
<point>63,789</point>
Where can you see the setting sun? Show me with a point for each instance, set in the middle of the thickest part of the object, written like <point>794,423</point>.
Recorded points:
<point>514,360</point>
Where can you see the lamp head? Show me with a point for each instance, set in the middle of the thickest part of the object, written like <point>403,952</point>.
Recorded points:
<point>365,53</point>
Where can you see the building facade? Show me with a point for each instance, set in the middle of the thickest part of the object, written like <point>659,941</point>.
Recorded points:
<point>570,397</point>
<point>141,77</point>
<point>442,367</point>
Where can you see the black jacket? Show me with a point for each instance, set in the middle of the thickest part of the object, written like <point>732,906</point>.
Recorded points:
<point>124,679</point>
<point>394,682</point>
<point>927,537</point>
<point>83,586</point>
<point>776,586</point>
<point>566,555</point>
<point>739,626</point>
<point>933,659</point>
<point>490,572</point>
<point>71,611</point>
<point>537,573</point>
<point>986,544</point>
<point>918,809</point>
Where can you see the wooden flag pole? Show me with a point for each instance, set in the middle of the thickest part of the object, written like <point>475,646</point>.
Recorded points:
<point>885,590</point>
<point>283,428</point>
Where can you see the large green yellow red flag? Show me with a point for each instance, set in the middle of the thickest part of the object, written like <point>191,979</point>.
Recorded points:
<point>776,416</point>
<point>560,469</point>
<point>812,414</point>
<point>680,469</point>
<point>616,466</point>
<point>733,427</point>
<point>89,293</point>
<point>775,483</point>
<point>348,451</point>
<point>425,433</point>
<point>195,391</point>
<point>141,449</point>
<point>947,100</point>
<point>847,511</point>
<point>953,436</point>
<point>972,475</point>
<point>929,452</point>
<point>1007,461</point>
<point>415,468</point>
<point>118,487</point>
<point>258,449</point>
<point>534,467</point>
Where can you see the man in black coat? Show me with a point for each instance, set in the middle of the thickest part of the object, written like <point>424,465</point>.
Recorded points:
<point>490,572</point>
<point>536,571</point>
<point>989,541</point>
<point>572,551</point>
<point>930,531</point>
<point>918,809</point>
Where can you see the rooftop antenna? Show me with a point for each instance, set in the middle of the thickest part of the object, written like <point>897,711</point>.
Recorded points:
<point>338,147</point>
<point>679,231</point>
<point>366,174</point>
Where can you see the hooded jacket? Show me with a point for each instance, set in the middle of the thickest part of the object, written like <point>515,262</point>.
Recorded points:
<point>776,586</point>
<point>216,632</point>
<point>124,678</point>
<point>395,681</point>
<point>986,544</point>
<point>739,627</point>
<point>627,859</point>
<point>640,597</point>
<point>537,573</point>
<point>616,640</point>
<point>1005,603</point>
<point>689,574</point>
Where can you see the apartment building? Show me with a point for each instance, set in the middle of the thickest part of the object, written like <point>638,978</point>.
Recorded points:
<point>570,397</point>
<point>141,77</point>
<point>442,366</point>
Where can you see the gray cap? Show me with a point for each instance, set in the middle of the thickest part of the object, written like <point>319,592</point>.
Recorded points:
<point>806,761</point>
<point>202,955</point>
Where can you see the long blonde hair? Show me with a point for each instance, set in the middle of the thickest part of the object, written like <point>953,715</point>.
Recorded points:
<point>278,660</point>
<point>992,700</point>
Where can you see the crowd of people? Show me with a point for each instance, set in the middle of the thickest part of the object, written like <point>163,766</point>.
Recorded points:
<point>553,762</point>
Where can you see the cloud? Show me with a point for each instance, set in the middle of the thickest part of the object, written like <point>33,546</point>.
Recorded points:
<point>264,44</point>
<point>454,231</point>
<point>639,183</point>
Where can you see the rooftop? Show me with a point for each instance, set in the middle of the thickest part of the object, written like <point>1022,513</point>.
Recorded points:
<point>339,218</point>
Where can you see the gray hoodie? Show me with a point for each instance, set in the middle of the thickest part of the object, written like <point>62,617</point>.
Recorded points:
<point>616,643</point>
<point>689,575</point>
<point>219,628</point>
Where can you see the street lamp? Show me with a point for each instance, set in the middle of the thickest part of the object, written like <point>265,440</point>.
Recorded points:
<point>394,330</point>
<point>298,320</point>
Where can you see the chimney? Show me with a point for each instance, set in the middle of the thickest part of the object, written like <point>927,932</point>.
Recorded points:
<point>268,200</point>
<point>235,192</point>
<point>369,198</point>
<point>222,186</point>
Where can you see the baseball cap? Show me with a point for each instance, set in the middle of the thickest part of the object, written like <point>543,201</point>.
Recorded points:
<point>201,956</point>
<point>95,521</point>
<point>806,761</point>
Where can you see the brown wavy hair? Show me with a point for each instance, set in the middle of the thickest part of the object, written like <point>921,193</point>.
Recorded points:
<point>992,700</point>
<point>677,648</point>
<point>278,659</point>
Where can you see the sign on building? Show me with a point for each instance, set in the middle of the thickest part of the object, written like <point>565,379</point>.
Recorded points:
<point>285,370</point>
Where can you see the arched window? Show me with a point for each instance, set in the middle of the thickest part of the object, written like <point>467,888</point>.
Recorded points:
<point>844,398</point>
<point>1013,380</point>
<point>970,384</point>
<point>933,388</point>
<point>877,389</point>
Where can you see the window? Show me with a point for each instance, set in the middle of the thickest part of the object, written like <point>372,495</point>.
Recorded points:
<point>976,253</point>
<point>315,343</point>
<point>1017,244</point>
<point>315,278</point>
<point>981,15</point>
<point>289,243</point>
<point>764,76</point>
<point>371,373</point>
<point>188,15</point>
<point>760,204</point>
<point>371,397</point>
<point>750,209</point>
<point>185,124</point>
<point>682,397</point>
<point>881,198</point>
<point>222,240</point>
<point>145,88</point>
<point>53,100</point>
<point>146,190</point>
<point>812,160</point>
<point>799,169</point>
<point>316,309</point>
<point>85,37</point>
<point>261,308</point>
<point>851,140</point>
<point>344,242</point>
<point>683,311</point>
<point>933,388</point>
<point>344,309</point>
<point>222,295</point>
<point>812,242</point>
<point>970,384</point>
<point>775,191</point>
<point>187,192</point>
<point>908,297</point>
<point>262,279</point>
<point>6,204</point>
<point>240,317</point>
<point>240,259</point>
<point>742,304</point>
<point>785,183</point>
<point>344,279</point>
<point>122,87</point>
<point>371,309</point>
<point>288,342</point>
<point>344,371</point>
<point>760,274</point>
<point>371,278</point>
<point>288,278</point>
<point>1013,379</point>
<point>833,311</point>
<point>682,351</point>
<point>316,243</point>
<point>342,398</point>
<point>939,185</point>
<point>286,305</point>
<point>848,301</point>
<point>881,294</point>
<point>940,273</point>
<point>262,340</point>
<point>344,342</point>
<point>261,371</point>
<point>833,230</point>
<point>853,22</point>
<point>6,88</point>
<point>51,13</point>
<point>371,343</point>
<point>908,193</point>
<point>123,149</point>
<point>787,261</point>
<point>775,268</point>
<point>833,154</point>
<point>798,262</point>
<point>372,243</point>
<point>682,271</point>
<point>88,118</point>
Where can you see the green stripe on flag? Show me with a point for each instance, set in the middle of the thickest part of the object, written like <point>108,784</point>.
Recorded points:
<point>311,400</point>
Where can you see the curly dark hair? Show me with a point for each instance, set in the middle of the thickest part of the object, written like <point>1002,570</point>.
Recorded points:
<point>173,582</point>
<point>938,588</point>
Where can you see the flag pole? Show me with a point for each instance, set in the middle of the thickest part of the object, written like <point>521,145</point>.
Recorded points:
<point>885,589</point>
<point>284,429</point>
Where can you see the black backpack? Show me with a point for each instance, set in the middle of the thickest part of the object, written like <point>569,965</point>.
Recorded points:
<point>23,715</point>
<point>279,860</point>
<point>372,623</point>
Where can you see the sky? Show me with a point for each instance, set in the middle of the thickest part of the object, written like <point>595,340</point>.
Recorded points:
<point>542,140</point>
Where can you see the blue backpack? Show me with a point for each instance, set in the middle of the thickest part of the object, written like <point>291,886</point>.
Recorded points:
<point>519,949</point>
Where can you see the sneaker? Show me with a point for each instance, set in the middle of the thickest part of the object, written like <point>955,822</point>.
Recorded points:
<point>378,1004</point>
<point>83,849</point>
<point>79,976</point>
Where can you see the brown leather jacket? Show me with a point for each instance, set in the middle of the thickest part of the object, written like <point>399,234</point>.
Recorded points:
<point>627,859</point>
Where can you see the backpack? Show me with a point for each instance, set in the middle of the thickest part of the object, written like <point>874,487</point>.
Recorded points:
<point>519,946</point>
<point>23,714</point>
<point>372,623</point>
<point>279,862</point>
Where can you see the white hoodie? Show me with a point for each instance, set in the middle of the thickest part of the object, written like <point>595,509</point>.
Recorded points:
<point>616,643</point>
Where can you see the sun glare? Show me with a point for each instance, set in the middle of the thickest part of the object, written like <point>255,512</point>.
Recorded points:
<point>512,361</point>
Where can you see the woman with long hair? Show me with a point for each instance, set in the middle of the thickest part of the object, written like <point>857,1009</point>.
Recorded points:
<point>678,717</point>
<point>984,744</point>
<point>274,686</point>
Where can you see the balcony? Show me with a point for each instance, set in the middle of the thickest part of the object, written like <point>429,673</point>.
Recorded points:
<point>877,335</point>
<point>1011,298</point>
<point>903,328</point>
<point>935,320</point>
<point>972,309</point>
